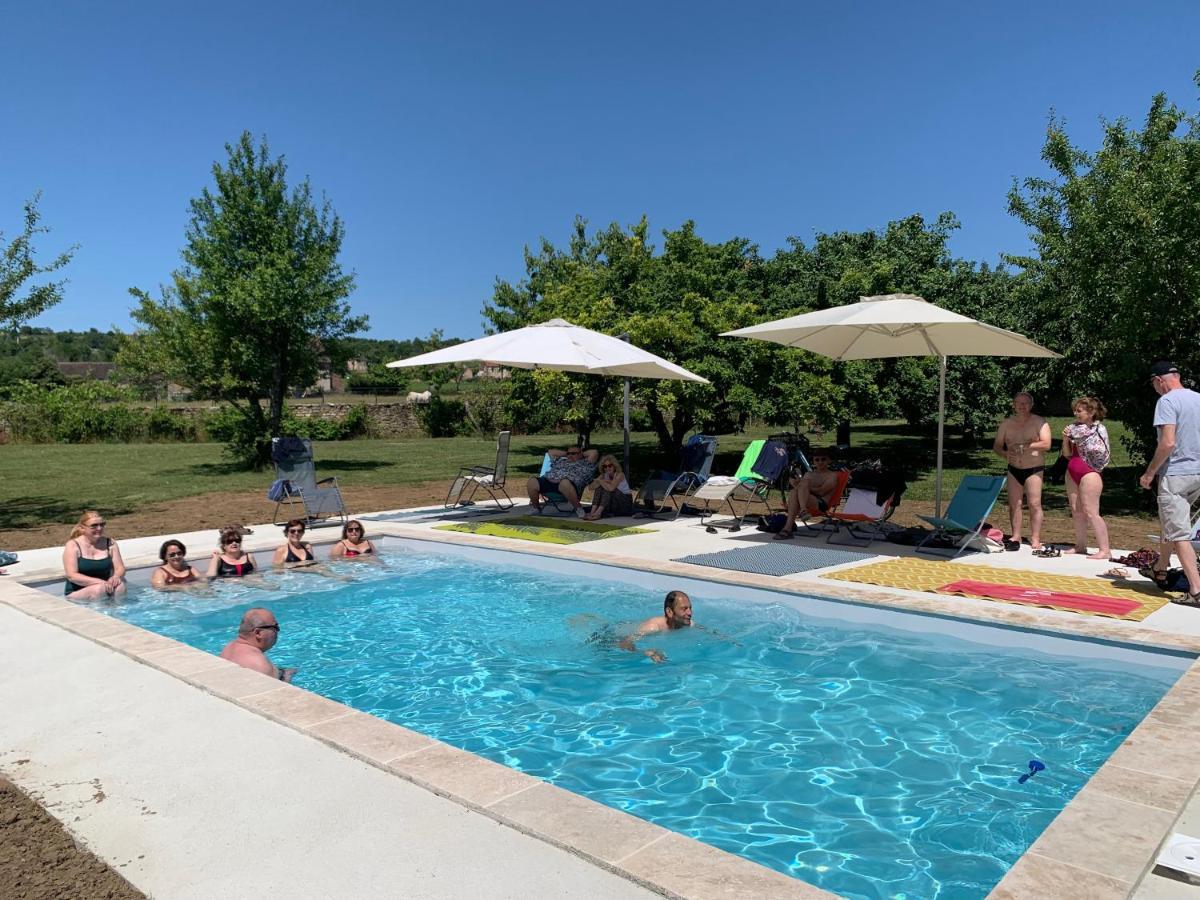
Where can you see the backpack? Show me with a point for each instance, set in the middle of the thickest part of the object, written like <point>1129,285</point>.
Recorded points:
<point>772,523</point>
<point>279,490</point>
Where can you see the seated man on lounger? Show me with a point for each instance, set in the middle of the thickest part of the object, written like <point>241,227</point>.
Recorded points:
<point>257,634</point>
<point>569,473</point>
<point>677,613</point>
<point>813,489</point>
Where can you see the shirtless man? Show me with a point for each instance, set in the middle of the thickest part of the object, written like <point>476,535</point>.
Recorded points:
<point>677,613</point>
<point>1022,441</point>
<point>256,635</point>
<point>815,488</point>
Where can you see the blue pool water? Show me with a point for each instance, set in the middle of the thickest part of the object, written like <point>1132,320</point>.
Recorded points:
<point>871,761</point>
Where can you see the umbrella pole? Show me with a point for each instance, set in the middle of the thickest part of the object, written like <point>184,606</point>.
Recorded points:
<point>626,463</point>
<point>941,428</point>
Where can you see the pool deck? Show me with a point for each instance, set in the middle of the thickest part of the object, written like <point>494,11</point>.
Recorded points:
<point>105,734</point>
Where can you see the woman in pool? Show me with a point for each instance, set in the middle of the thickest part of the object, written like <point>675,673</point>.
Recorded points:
<point>613,496</point>
<point>228,560</point>
<point>296,552</point>
<point>92,561</point>
<point>353,543</point>
<point>1085,444</point>
<point>175,570</point>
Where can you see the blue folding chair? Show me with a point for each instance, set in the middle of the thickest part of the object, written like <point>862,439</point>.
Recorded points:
<point>965,517</point>
<point>663,488</point>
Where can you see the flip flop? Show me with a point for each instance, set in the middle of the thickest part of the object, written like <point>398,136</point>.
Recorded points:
<point>1012,546</point>
<point>1047,552</point>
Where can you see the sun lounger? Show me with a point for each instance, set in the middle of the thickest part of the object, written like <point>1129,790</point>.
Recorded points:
<point>864,501</point>
<point>965,517</point>
<point>554,498</point>
<point>472,479</point>
<point>762,465</point>
<point>666,489</point>
<point>299,489</point>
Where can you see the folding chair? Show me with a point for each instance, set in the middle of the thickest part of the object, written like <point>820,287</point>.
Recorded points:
<point>858,510</point>
<point>965,517</point>
<point>554,498</point>
<point>762,465</point>
<point>815,511</point>
<point>664,488</point>
<point>471,479</point>
<point>296,474</point>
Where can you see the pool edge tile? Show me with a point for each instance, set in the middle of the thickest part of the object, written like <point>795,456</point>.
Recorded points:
<point>473,780</point>
<point>296,707</point>
<point>572,820</point>
<point>1033,877</point>
<point>369,737</point>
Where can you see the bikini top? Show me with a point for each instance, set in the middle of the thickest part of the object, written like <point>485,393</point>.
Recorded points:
<point>234,570</point>
<point>293,558</point>
<point>172,578</point>
<point>350,551</point>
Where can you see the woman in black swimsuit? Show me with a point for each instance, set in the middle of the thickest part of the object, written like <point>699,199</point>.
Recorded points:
<point>296,552</point>
<point>228,561</point>
<point>92,562</point>
<point>175,570</point>
<point>353,543</point>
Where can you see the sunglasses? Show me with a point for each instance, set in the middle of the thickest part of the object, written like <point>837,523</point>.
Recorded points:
<point>233,543</point>
<point>97,524</point>
<point>174,555</point>
<point>274,628</point>
<point>295,531</point>
<point>353,531</point>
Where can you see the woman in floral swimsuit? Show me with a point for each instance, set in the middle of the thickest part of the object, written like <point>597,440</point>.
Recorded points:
<point>1085,444</point>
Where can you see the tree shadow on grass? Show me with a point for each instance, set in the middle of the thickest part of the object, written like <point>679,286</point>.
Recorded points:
<point>31,512</point>
<point>228,469</point>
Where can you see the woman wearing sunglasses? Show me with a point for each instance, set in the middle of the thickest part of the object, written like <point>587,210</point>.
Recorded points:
<point>353,543</point>
<point>175,570</point>
<point>92,561</point>
<point>296,552</point>
<point>229,560</point>
<point>613,496</point>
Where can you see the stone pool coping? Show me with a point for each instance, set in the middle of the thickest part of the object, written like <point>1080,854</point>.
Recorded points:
<point>1102,844</point>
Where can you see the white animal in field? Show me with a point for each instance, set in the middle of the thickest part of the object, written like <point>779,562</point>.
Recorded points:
<point>422,397</point>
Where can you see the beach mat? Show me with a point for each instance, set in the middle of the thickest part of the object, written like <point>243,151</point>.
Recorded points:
<point>545,529</point>
<point>774,559</point>
<point>936,577</point>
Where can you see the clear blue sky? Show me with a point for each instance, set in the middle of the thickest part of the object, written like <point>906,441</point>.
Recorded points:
<point>450,135</point>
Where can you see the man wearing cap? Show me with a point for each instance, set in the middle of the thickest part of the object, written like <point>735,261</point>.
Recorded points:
<point>1177,457</point>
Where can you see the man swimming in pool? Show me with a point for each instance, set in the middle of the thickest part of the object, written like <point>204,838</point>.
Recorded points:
<point>677,613</point>
<point>257,634</point>
<point>1022,441</point>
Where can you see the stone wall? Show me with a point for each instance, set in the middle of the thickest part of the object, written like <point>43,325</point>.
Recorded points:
<point>393,419</point>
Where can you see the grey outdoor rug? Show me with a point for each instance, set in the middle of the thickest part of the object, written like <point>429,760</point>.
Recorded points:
<point>774,559</point>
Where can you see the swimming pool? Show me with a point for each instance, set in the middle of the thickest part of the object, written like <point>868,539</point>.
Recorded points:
<point>870,752</point>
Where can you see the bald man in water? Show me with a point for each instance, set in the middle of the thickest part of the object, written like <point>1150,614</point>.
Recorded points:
<point>257,634</point>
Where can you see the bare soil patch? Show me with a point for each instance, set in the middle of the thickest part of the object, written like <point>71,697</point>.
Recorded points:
<point>39,860</point>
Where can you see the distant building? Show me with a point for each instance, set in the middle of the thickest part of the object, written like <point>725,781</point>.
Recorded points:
<point>485,372</point>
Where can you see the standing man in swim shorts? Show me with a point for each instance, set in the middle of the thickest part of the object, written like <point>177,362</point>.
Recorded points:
<point>1177,462</point>
<point>1022,441</point>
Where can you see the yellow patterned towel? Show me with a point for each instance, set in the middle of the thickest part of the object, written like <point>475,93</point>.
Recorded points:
<point>935,577</point>
<point>545,529</point>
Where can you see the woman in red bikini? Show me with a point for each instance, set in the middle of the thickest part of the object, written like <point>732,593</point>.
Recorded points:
<point>1085,444</point>
<point>175,572</point>
<point>229,561</point>
<point>353,543</point>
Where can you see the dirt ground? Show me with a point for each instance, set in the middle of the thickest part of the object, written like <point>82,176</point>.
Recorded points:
<point>39,860</point>
<point>214,510</point>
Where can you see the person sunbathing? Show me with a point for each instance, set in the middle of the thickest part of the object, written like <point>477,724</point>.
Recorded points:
<point>92,561</point>
<point>569,473</point>
<point>175,571</point>
<point>812,491</point>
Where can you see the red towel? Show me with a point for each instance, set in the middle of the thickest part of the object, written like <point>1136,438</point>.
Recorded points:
<point>1014,593</point>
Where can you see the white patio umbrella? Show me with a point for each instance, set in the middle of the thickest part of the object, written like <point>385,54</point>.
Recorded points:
<point>559,346</point>
<point>895,325</point>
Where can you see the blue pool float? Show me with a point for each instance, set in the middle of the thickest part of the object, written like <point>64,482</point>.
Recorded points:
<point>1035,766</point>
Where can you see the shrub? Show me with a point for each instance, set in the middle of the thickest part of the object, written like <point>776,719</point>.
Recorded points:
<point>442,418</point>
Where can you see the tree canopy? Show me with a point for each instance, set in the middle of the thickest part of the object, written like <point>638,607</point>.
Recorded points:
<point>1115,282</point>
<point>259,300</point>
<point>18,268</point>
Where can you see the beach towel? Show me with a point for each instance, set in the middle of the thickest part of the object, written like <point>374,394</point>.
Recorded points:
<point>1010,593</point>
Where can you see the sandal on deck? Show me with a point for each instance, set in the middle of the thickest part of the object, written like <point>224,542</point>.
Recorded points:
<point>1188,599</point>
<point>1047,552</point>
<point>1158,576</point>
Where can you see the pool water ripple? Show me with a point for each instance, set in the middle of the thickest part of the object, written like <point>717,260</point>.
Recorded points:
<point>872,762</point>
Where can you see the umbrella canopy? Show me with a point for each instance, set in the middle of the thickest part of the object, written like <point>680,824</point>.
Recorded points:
<point>892,325</point>
<point>559,346</point>
<point>895,325</point>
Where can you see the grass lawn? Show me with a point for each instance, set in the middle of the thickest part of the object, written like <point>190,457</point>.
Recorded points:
<point>45,484</point>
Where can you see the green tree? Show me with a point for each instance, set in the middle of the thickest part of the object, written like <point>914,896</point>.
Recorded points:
<point>259,301</point>
<point>1115,282</point>
<point>18,266</point>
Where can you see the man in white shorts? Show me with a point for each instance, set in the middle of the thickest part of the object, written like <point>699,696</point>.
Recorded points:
<point>1177,418</point>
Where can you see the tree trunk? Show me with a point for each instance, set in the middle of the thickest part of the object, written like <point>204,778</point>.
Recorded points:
<point>658,422</point>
